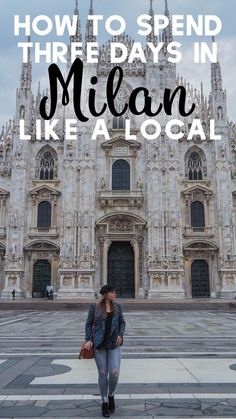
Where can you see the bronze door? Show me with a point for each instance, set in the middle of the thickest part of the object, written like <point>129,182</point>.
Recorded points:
<point>200,279</point>
<point>41,278</point>
<point>121,269</point>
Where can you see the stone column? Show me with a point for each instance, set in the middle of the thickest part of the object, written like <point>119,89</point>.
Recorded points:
<point>105,260</point>
<point>187,276</point>
<point>101,258</point>
<point>28,273</point>
<point>141,288</point>
<point>2,252</point>
<point>136,267</point>
<point>54,264</point>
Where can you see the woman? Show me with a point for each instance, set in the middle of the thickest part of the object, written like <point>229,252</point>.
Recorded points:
<point>104,331</point>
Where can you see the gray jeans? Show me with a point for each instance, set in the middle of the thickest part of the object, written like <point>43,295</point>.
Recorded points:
<point>108,362</point>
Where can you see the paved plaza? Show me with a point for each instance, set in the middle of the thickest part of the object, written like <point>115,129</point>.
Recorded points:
<point>176,364</point>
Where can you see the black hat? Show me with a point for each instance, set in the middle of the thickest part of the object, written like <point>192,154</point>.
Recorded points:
<point>106,288</point>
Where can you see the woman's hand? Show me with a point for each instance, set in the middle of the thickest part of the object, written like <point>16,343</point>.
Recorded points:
<point>119,340</point>
<point>88,345</point>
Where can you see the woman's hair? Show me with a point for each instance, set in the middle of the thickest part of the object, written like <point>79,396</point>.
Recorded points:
<point>101,305</point>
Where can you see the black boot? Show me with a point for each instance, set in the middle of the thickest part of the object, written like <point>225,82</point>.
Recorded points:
<point>105,410</point>
<point>111,403</point>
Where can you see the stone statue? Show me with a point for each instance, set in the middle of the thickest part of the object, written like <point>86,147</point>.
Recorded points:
<point>139,184</point>
<point>13,251</point>
<point>103,184</point>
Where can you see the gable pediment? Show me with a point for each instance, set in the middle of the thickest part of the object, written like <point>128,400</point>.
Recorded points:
<point>121,218</point>
<point>120,141</point>
<point>42,246</point>
<point>200,245</point>
<point>44,189</point>
<point>197,189</point>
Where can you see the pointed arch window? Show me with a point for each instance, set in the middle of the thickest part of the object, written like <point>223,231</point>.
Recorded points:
<point>44,214</point>
<point>47,165</point>
<point>197,214</point>
<point>194,167</point>
<point>121,175</point>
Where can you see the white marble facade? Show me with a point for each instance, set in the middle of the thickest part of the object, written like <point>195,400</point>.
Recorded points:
<point>87,216</point>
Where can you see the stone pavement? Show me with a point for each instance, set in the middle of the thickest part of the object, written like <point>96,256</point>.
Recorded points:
<point>175,364</point>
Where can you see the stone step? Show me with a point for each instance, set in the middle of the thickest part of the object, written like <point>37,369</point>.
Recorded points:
<point>127,304</point>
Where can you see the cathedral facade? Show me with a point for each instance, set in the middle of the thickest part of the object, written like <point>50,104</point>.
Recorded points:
<point>156,219</point>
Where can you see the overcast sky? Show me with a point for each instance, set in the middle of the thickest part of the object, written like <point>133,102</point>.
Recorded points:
<point>130,9</point>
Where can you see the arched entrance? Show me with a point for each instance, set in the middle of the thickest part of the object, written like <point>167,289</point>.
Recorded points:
<point>121,269</point>
<point>120,243</point>
<point>41,277</point>
<point>200,279</point>
<point>35,252</point>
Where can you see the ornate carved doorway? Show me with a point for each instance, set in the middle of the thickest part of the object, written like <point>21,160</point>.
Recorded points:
<point>41,278</point>
<point>36,253</point>
<point>121,269</point>
<point>120,239</point>
<point>200,279</point>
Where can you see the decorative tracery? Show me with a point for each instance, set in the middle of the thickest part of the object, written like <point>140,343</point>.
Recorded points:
<point>46,165</point>
<point>195,167</point>
<point>195,164</point>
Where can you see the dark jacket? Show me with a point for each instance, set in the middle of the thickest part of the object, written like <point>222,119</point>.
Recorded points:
<point>95,332</point>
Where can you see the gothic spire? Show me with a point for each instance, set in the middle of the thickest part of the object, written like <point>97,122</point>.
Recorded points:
<point>202,94</point>
<point>151,37</point>
<point>26,73</point>
<point>76,7</point>
<point>216,76</point>
<point>77,37</point>
<point>166,8</point>
<point>91,7</point>
<point>89,37</point>
<point>167,35</point>
<point>38,97</point>
<point>218,96</point>
<point>151,8</point>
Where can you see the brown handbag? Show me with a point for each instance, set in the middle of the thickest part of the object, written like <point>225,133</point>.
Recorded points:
<point>86,353</point>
